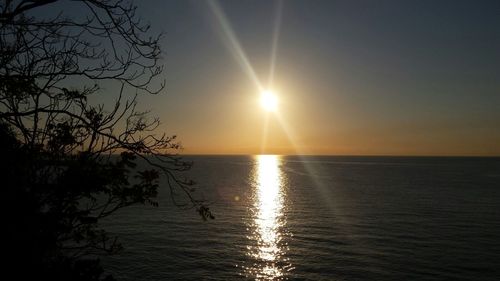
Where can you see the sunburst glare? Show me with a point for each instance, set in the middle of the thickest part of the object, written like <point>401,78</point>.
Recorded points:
<point>269,100</point>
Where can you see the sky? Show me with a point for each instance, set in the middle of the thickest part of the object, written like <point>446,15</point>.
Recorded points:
<point>352,77</point>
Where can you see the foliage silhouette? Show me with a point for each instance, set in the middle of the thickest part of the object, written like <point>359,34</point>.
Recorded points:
<point>69,162</point>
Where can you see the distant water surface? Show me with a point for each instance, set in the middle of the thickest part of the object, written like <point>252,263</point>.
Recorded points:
<point>321,218</point>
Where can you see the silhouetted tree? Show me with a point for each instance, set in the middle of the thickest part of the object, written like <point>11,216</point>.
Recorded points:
<point>68,162</point>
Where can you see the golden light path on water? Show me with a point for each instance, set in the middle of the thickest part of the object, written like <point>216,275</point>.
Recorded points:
<point>268,250</point>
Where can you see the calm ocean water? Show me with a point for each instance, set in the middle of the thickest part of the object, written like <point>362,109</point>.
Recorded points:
<point>321,218</point>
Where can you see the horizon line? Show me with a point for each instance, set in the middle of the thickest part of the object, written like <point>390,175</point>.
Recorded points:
<point>342,155</point>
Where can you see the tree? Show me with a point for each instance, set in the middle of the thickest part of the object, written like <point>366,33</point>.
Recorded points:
<point>68,162</point>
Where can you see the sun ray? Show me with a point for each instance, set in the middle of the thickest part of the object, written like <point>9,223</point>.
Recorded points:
<point>264,135</point>
<point>290,134</point>
<point>233,44</point>
<point>276,35</point>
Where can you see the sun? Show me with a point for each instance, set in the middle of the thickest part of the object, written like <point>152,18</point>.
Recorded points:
<point>269,101</point>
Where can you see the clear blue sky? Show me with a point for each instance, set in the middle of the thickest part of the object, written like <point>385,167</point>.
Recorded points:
<point>353,77</point>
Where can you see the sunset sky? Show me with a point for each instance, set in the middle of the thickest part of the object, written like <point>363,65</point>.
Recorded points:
<point>352,77</point>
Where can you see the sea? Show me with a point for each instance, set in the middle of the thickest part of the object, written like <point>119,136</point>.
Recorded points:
<point>319,218</point>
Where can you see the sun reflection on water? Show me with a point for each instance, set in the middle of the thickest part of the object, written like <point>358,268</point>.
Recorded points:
<point>267,248</point>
